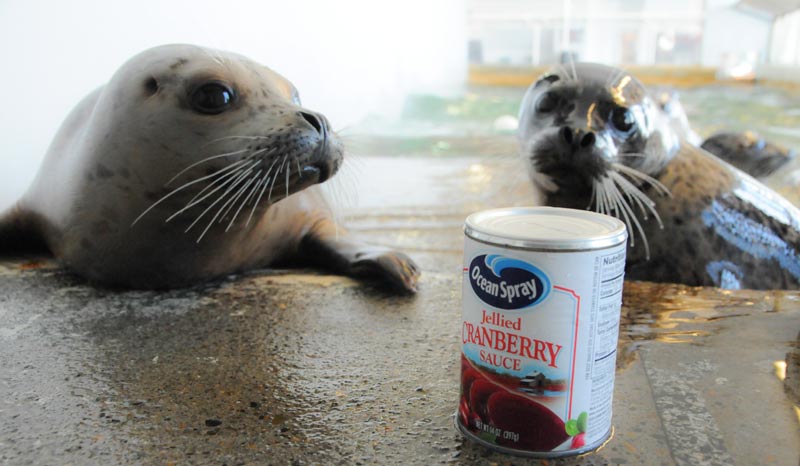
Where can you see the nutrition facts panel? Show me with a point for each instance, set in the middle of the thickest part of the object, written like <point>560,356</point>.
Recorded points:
<point>611,270</point>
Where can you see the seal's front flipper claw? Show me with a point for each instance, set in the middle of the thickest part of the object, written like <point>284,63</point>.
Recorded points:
<point>395,267</point>
<point>356,259</point>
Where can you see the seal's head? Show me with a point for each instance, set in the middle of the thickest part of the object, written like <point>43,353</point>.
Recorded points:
<point>592,137</point>
<point>205,134</point>
<point>181,155</point>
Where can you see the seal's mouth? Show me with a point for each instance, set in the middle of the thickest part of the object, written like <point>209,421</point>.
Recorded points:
<point>317,171</point>
<point>323,171</point>
<point>311,175</point>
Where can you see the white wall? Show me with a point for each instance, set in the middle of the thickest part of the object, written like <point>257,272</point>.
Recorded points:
<point>348,58</point>
<point>785,42</point>
<point>730,33</point>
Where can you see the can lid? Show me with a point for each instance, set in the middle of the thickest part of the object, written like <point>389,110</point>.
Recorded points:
<point>546,228</point>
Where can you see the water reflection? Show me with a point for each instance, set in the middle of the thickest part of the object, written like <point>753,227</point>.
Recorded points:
<point>674,313</point>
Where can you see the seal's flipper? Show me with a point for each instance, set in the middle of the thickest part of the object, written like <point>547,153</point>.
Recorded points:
<point>350,257</point>
<point>749,152</point>
<point>20,233</point>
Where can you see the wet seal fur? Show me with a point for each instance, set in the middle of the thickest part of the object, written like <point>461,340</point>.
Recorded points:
<point>750,152</point>
<point>593,138</point>
<point>747,151</point>
<point>191,164</point>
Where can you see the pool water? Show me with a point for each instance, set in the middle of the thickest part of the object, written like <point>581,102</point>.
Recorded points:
<point>479,123</point>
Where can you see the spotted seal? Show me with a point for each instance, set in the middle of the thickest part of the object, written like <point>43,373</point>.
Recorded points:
<point>750,152</point>
<point>190,164</point>
<point>592,138</point>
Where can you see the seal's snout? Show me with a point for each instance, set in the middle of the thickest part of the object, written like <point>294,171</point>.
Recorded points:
<point>325,156</point>
<point>316,121</point>
<point>577,139</point>
<point>570,159</point>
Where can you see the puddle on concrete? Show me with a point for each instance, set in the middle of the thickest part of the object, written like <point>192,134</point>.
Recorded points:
<point>677,314</point>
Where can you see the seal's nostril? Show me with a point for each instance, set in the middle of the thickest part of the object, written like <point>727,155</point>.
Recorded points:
<point>313,120</point>
<point>588,140</point>
<point>566,134</point>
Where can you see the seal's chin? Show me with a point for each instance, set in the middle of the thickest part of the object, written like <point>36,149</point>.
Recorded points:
<point>313,174</point>
<point>309,176</point>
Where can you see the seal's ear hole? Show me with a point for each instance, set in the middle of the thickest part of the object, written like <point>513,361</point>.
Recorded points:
<point>549,79</point>
<point>151,86</point>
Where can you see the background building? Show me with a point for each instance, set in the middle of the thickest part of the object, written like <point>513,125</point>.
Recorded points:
<point>734,36</point>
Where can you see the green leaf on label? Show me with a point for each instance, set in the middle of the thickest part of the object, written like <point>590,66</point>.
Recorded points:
<point>488,437</point>
<point>582,420</point>
<point>572,428</point>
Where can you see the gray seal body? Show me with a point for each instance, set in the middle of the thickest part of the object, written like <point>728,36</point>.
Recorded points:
<point>593,138</point>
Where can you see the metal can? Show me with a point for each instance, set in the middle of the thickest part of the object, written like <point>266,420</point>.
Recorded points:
<point>542,292</point>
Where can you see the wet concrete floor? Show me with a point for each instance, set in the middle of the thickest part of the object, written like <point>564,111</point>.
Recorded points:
<point>300,367</point>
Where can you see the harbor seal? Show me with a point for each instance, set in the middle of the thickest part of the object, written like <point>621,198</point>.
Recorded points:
<point>749,152</point>
<point>592,138</point>
<point>188,165</point>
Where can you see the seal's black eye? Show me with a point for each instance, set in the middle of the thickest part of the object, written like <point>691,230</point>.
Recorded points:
<point>622,119</point>
<point>212,98</point>
<point>547,102</point>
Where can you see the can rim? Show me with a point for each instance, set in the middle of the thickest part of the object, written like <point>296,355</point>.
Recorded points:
<point>616,230</point>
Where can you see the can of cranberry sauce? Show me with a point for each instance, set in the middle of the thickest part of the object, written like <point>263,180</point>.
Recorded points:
<point>542,292</point>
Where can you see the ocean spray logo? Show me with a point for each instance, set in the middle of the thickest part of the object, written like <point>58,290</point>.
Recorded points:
<point>507,283</point>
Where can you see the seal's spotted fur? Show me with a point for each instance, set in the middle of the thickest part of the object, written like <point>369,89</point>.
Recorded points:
<point>593,138</point>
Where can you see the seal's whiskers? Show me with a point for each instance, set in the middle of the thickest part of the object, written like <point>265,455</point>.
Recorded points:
<point>228,191</point>
<point>231,186</point>
<point>265,181</point>
<point>622,206</point>
<point>275,178</point>
<point>237,181</point>
<point>288,169</point>
<point>639,176</point>
<point>232,201</point>
<point>218,180</point>
<point>252,138</point>
<point>203,161</point>
<point>232,180</point>
<point>544,181</point>
<point>572,65</point>
<point>609,200</point>
<point>184,186</point>
<point>247,198</point>
<point>636,195</point>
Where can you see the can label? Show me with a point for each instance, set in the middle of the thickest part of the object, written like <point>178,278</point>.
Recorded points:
<point>539,334</point>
